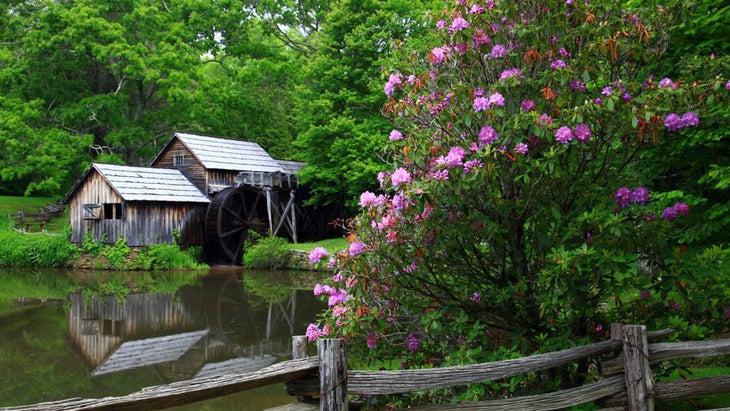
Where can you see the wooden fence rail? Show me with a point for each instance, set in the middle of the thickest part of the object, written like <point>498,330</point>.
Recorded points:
<point>627,384</point>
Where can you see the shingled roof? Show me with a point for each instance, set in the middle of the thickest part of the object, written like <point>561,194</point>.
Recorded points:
<point>224,154</point>
<point>148,184</point>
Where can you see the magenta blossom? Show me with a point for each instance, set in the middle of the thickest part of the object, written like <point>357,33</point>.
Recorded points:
<point>640,195</point>
<point>669,214</point>
<point>317,254</point>
<point>454,158</point>
<point>681,208</point>
<point>395,135</point>
<point>356,248</point>
<point>527,105</point>
<point>582,133</point>
<point>673,122</point>
<point>488,135</point>
<point>480,103</point>
<point>459,24</point>
<point>496,99</point>
<point>400,176</point>
<point>690,119</point>
<point>394,81</point>
<point>521,148</point>
<point>368,199</point>
<point>371,340</point>
<point>666,83</point>
<point>564,135</point>
<point>413,343</point>
<point>623,197</point>
<point>498,51</point>
<point>557,64</point>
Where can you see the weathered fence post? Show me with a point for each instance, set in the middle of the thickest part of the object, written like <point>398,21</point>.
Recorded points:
<point>637,371</point>
<point>299,348</point>
<point>332,374</point>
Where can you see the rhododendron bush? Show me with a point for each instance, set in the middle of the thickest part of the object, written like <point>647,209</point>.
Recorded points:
<point>515,215</point>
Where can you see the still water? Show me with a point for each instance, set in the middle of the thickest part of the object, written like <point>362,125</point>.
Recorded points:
<point>108,334</point>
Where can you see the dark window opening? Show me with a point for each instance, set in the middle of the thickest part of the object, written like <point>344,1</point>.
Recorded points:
<point>112,211</point>
<point>179,161</point>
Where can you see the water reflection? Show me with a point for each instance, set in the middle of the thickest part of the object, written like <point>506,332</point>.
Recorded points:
<point>226,322</point>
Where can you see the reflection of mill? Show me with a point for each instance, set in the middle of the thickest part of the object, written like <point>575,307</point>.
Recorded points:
<point>214,329</point>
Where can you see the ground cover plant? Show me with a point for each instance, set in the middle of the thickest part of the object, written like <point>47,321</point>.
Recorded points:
<point>527,204</point>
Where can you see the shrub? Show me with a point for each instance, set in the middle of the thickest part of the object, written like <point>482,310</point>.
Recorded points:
<point>267,253</point>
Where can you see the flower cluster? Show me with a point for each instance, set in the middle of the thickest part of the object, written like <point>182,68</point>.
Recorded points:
<point>673,122</point>
<point>581,132</point>
<point>624,196</point>
<point>317,254</point>
<point>670,213</point>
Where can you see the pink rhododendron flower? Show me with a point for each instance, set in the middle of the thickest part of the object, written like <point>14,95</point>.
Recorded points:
<point>681,208</point>
<point>454,158</point>
<point>543,120</point>
<point>357,248</point>
<point>582,133</point>
<point>400,176</point>
<point>439,55</point>
<point>317,254</point>
<point>413,343</point>
<point>395,135</point>
<point>496,99</point>
<point>623,197</point>
<point>557,64</point>
<point>459,24</point>
<point>471,164</point>
<point>488,135</point>
<point>673,122</point>
<point>521,148</point>
<point>371,340</point>
<point>498,51</point>
<point>640,195</point>
<point>564,135</point>
<point>690,119</point>
<point>666,83</point>
<point>394,81</point>
<point>367,199</point>
<point>480,103</point>
<point>527,105</point>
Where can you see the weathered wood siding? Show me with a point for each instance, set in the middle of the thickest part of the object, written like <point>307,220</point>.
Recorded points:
<point>142,222</point>
<point>191,168</point>
<point>222,177</point>
<point>101,326</point>
<point>148,223</point>
<point>93,191</point>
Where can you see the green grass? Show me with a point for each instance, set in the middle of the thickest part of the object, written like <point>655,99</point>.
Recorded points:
<point>705,403</point>
<point>31,205</point>
<point>332,245</point>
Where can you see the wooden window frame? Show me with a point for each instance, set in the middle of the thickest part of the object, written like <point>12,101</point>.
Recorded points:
<point>178,160</point>
<point>112,211</point>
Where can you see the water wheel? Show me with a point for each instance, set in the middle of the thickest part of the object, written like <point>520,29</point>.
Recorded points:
<point>230,214</point>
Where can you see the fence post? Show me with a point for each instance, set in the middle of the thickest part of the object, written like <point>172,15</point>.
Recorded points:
<point>332,374</point>
<point>637,371</point>
<point>299,348</point>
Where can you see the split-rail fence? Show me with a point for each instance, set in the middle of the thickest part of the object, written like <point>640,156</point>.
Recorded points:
<point>627,381</point>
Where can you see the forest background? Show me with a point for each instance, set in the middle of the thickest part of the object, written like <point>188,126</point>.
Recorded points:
<point>110,80</point>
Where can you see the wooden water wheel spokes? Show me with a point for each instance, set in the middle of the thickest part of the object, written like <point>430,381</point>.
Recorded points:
<point>226,225</point>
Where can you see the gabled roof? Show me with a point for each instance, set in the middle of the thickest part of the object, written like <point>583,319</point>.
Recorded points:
<point>150,351</point>
<point>224,154</point>
<point>146,184</point>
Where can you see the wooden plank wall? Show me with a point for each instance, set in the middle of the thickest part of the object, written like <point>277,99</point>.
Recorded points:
<point>154,223</point>
<point>141,316</point>
<point>93,190</point>
<point>192,168</point>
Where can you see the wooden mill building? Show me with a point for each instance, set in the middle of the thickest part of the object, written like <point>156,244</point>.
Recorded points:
<point>198,190</point>
<point>143,205</point>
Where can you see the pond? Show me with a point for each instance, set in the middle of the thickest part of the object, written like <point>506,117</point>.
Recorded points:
<point>104,334</point>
